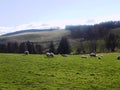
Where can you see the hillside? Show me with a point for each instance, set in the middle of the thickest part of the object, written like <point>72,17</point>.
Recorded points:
<point>82,39</point>
<point>35,36</point>
<point>116,31</point>
<point>26,31</point>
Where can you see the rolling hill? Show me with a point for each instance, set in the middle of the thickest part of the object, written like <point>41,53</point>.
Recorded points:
<point>36,36</point>
<point>27,31</point>
<point>80,42</point>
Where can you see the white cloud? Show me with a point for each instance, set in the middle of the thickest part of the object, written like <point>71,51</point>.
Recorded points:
<point>104,19</point>
<point>58,23</point>
<point>6,29</point>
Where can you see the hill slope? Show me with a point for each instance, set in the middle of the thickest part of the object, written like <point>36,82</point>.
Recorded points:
<point>116,31</point>
<point>36,36</point>
<point>27,31</point>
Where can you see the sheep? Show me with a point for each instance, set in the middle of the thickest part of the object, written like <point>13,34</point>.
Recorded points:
<point>92,54</point>
<point>83,56</point>
<point>50,54</point>
<point>118,57</point>
<point>26,52</point>
<point>100,57</point>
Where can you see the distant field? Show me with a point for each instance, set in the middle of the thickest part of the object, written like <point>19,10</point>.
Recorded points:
<point>36,72</point>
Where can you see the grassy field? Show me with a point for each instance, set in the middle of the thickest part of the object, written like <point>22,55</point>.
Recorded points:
<point>37,72</point>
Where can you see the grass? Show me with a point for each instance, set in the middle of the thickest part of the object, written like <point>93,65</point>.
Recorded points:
<point>36,72</point>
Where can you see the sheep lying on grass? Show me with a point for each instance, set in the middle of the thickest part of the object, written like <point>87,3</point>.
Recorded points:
<point>118,57</point>
<point>26,52</point>
<point>50,54</point>
<point>83,56</point>
<point>93,54</point>
<point>100,57</point>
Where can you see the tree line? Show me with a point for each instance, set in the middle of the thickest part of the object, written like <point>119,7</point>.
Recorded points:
<point>98,36</point>
<point>15,47</point>
<point>64,47</point>
<point>91,32</point>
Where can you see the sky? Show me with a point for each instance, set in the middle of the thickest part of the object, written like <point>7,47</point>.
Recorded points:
<point>27,14</point>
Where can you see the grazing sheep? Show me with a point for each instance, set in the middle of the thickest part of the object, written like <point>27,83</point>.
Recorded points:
<point>118,57</point>
<point>93,54</point>
<point>83,56</point>
<point>64,55</point>
<point>99,57</point>
<point>26,52</point>
<point>52,54</point>
<point>49,54</point>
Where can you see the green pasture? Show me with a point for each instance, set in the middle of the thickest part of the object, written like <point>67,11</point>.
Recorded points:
<point>37,72</point>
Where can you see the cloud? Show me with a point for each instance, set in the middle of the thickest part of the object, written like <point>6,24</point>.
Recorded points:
<point>104,19</point>
<point>4,30</point>
<point>59,23</point>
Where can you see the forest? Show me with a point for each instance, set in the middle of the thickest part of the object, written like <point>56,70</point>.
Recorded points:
<point>102,37</point>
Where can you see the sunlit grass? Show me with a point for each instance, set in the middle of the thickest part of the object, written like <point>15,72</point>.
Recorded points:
<point>37,72</point>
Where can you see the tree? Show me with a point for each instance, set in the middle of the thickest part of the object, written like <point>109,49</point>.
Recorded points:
<point>38,49</point>
<point>111,42</point>
<point>81,48</point>
<point>22,47</point>
<point>52,47</point>
<point>64,47</point>
<point>15,47</point>
<point>3,48</point>
<point>92,46</point>
<point>30,47</point>
<point>10,47</point>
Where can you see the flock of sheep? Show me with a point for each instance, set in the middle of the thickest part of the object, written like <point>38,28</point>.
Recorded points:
<point>48,54</point>
<point>98,56</point>
<point>93,55</point>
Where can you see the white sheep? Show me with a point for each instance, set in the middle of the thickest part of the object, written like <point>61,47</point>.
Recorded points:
<point>50,54</point>
<point>118,57</point>
<point>99,57</point>
<point>83,56</point>
<point>92,54</point>
<point>26,52</point>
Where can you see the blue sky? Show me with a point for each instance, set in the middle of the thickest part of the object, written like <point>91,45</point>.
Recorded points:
<point>25,14</point>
